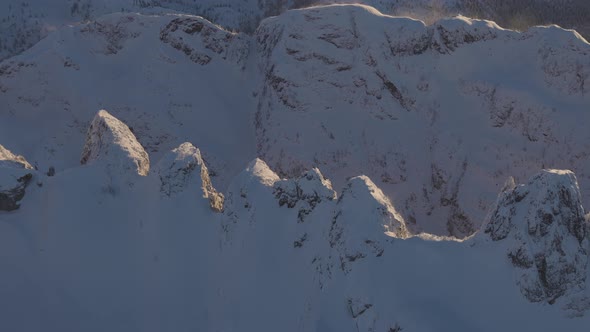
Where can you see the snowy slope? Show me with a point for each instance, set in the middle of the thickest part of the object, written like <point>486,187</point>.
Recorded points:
<point>133,258</point>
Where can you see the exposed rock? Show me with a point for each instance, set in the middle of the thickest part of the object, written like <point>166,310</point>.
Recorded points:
<point>514,111</point>
<point>12,192</point>
<point>111,142</point>
<point>544,227</point>
<point>357,306</point>
<point>331,62</point>
<point>177,171</point>
<point>449,34</point>
<point>363,219</point>
<point>9,159</point>
<point>563,59</point>
<point>259,171</point>
<point>256,177</point>
<point>15,176</point>
<point>114,30</point>
<point>305,192</point>
<point>202,41</point>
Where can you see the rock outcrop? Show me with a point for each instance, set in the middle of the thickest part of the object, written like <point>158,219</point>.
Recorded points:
<point>544,228</point>
<point>184,167</point>
<point>364,219</point>
<point>111,142</point>
<point>257,178</point>
<point>9,159</point>
<point>449,34</point>
<point>15,175</point>
<point>202,41</point>
<point>304,192</point>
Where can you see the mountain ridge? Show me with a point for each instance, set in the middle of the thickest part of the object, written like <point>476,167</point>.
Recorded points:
<point>389,80</point>
<point>225,188</point>
<point>346,269</point>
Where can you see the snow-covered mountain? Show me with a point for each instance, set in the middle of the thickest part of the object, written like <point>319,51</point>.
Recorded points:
<point>172,79</point>
<point>84,252</point>
<point>438,116</point>
<point>291,179</point>
<point>25,22</point>
<point>430,112</point>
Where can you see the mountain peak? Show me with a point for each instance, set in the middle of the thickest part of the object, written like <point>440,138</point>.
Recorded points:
<point>363,194</point>
<point>109,140</point>
<point>543,225</point>
<point>176,172</point>
<point>258,169</point>
<point>363,222</point>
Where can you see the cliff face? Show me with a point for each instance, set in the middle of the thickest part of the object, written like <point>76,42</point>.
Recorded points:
<point>543,226</point>
<point>428,112</point>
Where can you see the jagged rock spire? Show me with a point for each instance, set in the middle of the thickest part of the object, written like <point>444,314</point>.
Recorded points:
<point>178,169</point>
<point>110,141</point>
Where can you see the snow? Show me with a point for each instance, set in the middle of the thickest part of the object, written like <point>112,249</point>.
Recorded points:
<point>27,21</point>
<point>259,171</point>
<point>314,183</point>
<point>438,116</point>
<point>363,190</point>
<point>15,175</point>
<point>164,96</point>
<point>366,93</point>
<point>111,142</point>
<point>543,223</point>
<point>269,225</point>
<point>136,260</point>
<point>9,159</point>
<point>176,172</point>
